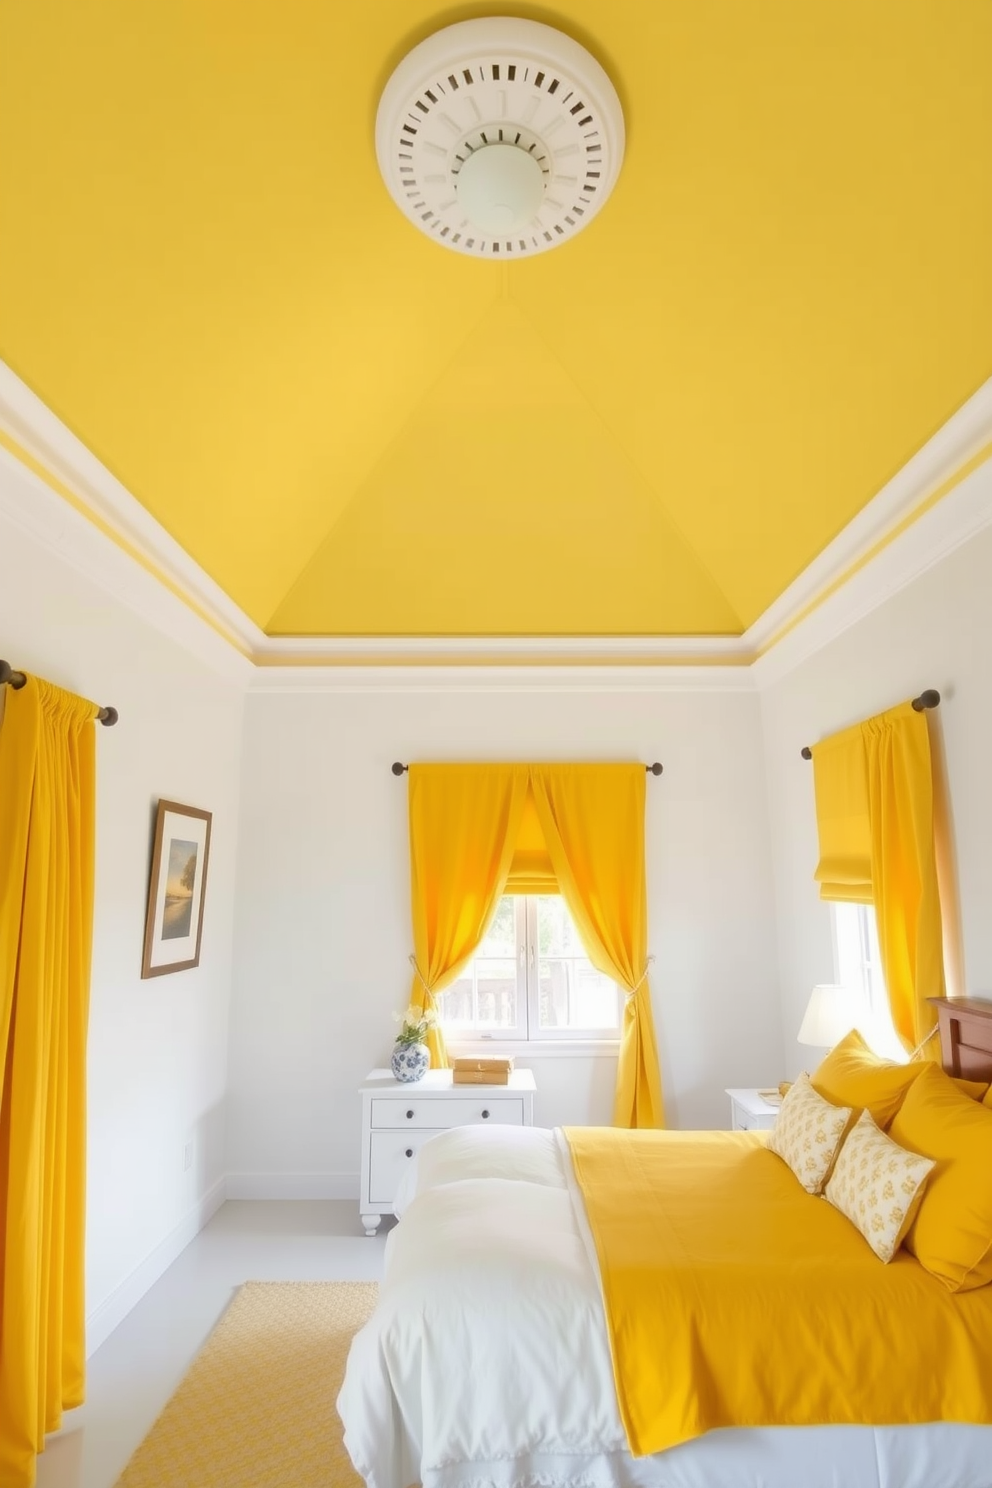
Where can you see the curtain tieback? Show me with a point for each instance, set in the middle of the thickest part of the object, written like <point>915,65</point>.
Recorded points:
<point>923,1043</point>
<point>427,986</point>
<point>631,992</point>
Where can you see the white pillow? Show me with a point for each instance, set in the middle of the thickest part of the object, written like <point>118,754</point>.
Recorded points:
<point>807,1134</point>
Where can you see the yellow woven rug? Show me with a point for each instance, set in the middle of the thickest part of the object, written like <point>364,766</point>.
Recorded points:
<point>256,1409</point>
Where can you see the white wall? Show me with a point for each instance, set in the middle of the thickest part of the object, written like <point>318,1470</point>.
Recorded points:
<point>322,929</point>
<point>935,633</point>
<point>157,1048</point>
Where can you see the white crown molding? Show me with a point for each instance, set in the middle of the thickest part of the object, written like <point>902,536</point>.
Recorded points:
<point>494,678</point>
<point>27,502</point>
<point>958,441</point>
<point>104,532</point>
<point>960,515</point>
<point>25,419</point>
<point>333,650</point>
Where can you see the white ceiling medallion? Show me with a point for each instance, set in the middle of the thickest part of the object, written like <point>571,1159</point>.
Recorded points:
<point>499,137</point>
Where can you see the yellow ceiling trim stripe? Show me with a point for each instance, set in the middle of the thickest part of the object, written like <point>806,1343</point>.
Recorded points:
<point>903,525</point>
<point>79,504</point>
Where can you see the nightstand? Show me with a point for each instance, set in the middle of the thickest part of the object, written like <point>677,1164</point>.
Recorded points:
<point>398,1119</point>
<point>748,1112</point>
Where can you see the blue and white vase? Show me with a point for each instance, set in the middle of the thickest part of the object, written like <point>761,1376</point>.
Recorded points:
<point>410,1062</point>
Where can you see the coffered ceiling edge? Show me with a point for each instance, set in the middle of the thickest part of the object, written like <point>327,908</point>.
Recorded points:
<point>60,492</point>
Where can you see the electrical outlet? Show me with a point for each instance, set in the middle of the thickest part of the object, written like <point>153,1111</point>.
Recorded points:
<point>187,1157</point>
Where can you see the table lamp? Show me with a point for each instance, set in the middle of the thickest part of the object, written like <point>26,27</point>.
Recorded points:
<point>829,1015</point>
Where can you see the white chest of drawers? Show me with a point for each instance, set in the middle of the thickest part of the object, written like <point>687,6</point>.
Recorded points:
<point>398,1119</point>
<point>748,1112</point>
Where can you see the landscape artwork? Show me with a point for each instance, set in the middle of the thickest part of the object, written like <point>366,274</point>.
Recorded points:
<point>176,889</point>
<point>179,889</point>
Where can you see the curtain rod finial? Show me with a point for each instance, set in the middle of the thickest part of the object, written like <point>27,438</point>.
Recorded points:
<point>806,752</point>
<point>399,769</point>
<point>928,699</point>
<point>654,769</point>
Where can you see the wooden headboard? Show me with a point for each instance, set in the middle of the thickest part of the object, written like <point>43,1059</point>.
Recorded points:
<point>965,1036</point>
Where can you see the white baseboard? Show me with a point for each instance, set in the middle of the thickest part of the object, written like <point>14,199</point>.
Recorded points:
<point>105,1318</point>
<point>293,1186</point>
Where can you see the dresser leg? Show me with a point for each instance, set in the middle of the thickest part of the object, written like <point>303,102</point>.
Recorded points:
<point>371,1223</point>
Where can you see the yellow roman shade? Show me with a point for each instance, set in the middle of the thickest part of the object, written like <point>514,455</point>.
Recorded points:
<point>840,783</point>
<point>531,869</point>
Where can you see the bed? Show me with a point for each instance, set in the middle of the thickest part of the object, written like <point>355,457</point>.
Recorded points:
<point>488,1360</point>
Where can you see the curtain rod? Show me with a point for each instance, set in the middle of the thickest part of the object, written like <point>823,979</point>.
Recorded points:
<point>399,769</point>
<point>928,699</point>
<point>107,716</point>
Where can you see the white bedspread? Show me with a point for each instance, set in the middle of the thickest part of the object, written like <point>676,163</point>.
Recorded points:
<point>487,1362</point>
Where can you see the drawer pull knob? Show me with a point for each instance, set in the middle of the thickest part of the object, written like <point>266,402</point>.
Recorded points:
<point>409,1152</point>
<point>485,1114</point>
<point>409,1115</point>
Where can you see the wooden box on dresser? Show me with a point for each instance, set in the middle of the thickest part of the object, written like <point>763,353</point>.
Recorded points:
<point>398,1119</point>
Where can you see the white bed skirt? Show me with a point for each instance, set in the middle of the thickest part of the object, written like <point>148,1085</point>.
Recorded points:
<point>487,1361</point>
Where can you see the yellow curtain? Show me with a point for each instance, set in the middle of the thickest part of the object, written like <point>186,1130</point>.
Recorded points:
<point>904,867</point>
<point>874,794</point>
<point>947,877</point>
<point>464,824</point>
<point>592,818</point>
<point>46,913</point>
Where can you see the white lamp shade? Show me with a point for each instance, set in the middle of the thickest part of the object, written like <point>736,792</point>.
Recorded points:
<point>829,1015</point>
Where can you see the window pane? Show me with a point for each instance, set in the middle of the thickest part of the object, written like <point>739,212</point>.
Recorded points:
<point>501,937</point>
<point>484,998</point>
<point>859,969</point>
<point>572,993</point>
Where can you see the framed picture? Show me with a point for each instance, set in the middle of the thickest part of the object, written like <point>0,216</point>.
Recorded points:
<point>174,920</point>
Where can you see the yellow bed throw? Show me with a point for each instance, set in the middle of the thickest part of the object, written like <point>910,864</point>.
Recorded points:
<point>735,1298</point>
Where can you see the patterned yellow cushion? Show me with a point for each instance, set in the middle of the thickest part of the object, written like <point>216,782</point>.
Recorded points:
<point>878,1186</point>
<point>807,1134</point>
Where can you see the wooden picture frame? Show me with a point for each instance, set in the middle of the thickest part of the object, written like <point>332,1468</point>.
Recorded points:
<point>176,888</point>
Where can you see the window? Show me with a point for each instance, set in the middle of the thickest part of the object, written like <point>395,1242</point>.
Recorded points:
<point>530,979</point>
<point>859,968</point>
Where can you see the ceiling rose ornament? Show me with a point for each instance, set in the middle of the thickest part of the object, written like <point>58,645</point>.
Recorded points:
<point>499,137</point>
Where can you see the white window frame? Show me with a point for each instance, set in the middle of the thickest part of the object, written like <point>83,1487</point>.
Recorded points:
<point>859,968</point>
<point>527,1028</point>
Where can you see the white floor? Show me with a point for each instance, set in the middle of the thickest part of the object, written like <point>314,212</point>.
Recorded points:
<point>132,1375</point>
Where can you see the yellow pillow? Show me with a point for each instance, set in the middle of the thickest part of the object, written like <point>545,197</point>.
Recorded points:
<point>877,1186</point>
<point>807,1134</point>
<point>987,1099</point>
<point>952,1232</point>
<point>851,1075</point>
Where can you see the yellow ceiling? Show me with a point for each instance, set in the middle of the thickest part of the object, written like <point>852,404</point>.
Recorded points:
<point>651,430</point>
